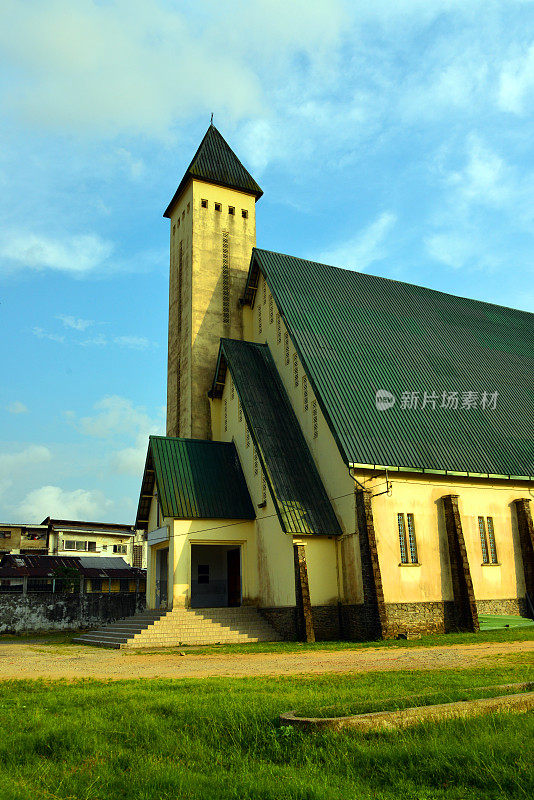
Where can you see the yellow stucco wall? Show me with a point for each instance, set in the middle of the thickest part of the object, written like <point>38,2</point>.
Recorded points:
<point>196,321</point>
<point>421,495</point>
<point>186,533</point>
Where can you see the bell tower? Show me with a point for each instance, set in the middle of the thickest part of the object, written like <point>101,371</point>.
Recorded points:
<point>213,231</point>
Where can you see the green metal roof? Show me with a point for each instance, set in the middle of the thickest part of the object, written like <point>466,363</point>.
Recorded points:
<point>216,162</point>
<point>357,334</point>
<point>195,479</point>
<point>299,496</point>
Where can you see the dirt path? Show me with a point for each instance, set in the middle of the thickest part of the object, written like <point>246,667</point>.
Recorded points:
<point>38,659</point>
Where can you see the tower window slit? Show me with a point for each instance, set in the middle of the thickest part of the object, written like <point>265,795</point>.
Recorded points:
<point>218,207</point>
<point>204,203</point>
<point>244,213</point>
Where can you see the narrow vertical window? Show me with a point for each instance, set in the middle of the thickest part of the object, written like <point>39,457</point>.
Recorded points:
<point>315,421</point>
<point>411,538</point>
<point>483,540</point>
<point>278,329</point>
<point>271,310</point>
<point>225,281</point>
<point>286,347</point>
<point>295,369</point>
<point>225,415</point>
<point>402,539</point>
<point>491,539</point>
<point>305,392</point>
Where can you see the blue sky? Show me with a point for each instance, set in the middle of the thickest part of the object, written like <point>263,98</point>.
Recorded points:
<point>393,138</point>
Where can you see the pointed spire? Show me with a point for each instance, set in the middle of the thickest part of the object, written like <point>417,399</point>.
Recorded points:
<point>215,162</point>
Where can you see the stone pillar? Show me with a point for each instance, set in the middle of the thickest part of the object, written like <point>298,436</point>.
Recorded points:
<point>462,584</point>
<point>302,593</point>
<point>373,593</point>
<point>526,539</point>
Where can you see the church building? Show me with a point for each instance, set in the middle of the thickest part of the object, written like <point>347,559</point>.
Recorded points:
<point>346,456</point>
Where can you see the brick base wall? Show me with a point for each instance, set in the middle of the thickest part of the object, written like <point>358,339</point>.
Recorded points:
<point>36,611</point>
<point>516,606</point>
<point>285,621</point>
<point>357,623</point>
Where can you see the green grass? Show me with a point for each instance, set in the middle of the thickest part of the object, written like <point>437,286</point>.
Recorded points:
<point>217,739</point>
<point>439,640</point>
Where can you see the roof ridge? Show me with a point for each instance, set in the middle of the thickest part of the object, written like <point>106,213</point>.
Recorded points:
<point>390,280</point>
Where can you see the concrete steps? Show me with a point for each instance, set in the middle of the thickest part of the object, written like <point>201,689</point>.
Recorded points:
<point>182,627</point>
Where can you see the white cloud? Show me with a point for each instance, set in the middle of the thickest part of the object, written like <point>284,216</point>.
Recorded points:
<point>17,408</point>
<point>75,323</point>
<point>42,334</point>
<point>14,467</point>
<point>56,502</point>
<point>74,255</point>
<point>133,342</point>
<point>118,420</point>
<point>135,167</point>
<point>452,249</point>
<point>363,249</point>
<point>94,341</point>
<point>132,65</point>
<point>486,177</point>
<point>11,463</point>
<point>516,83</point>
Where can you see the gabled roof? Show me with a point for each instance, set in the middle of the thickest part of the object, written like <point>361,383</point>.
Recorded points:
<point>195,479</point>
<point>299,496</point>
<point>216,162</point>
<point>357,334</point>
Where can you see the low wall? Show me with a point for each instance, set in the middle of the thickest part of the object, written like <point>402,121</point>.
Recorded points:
<point>284,620</point>
<point>36,611</point>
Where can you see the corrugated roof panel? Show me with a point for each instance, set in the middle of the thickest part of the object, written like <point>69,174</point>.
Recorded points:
<point>296,487</point>
<point>216,162</point>
<point>356,334</point>
<point>199,479</point>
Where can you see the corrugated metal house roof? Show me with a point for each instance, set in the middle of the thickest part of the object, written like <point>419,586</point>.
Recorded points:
<point>16,566</point>
<point>216,162</point>
<point>357,334</point>
<point>294,482</point>
<point>195,479</point>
